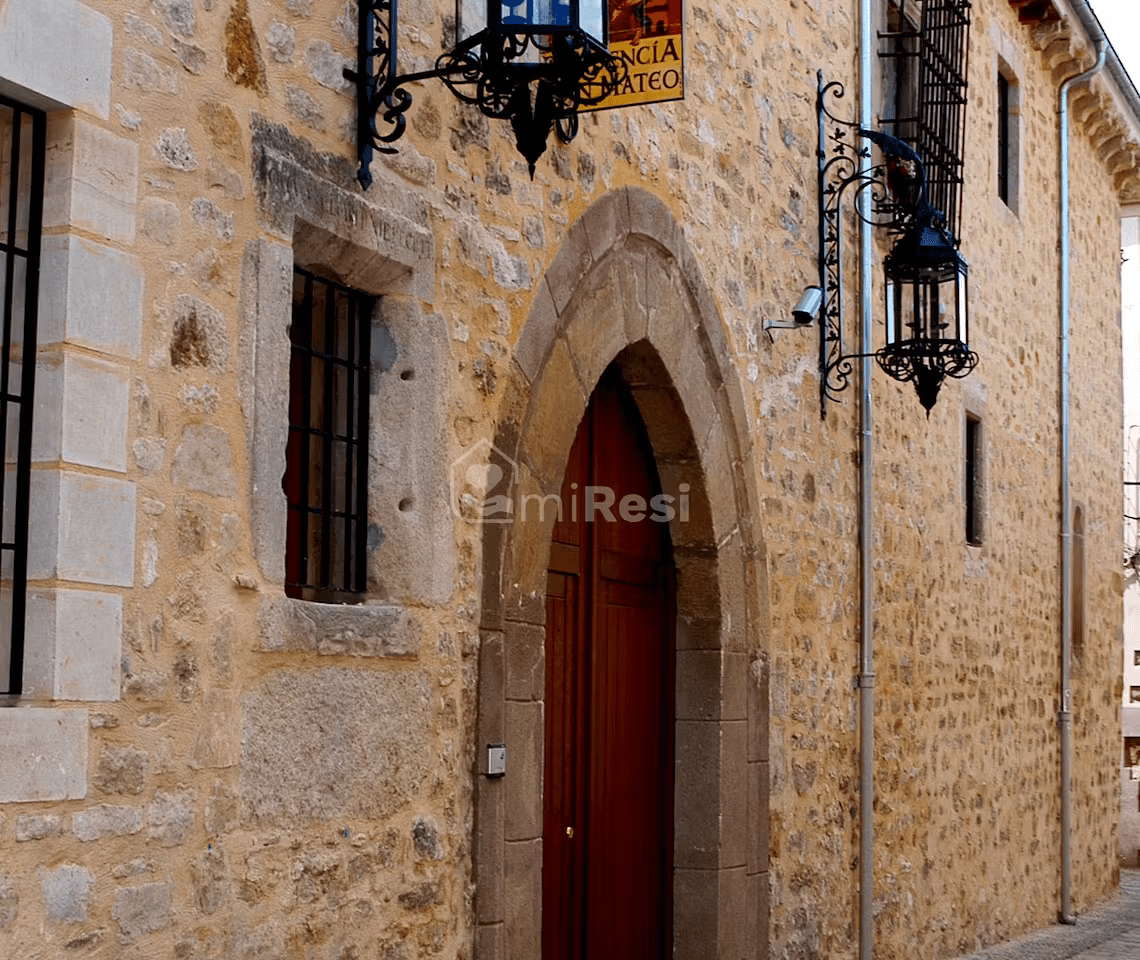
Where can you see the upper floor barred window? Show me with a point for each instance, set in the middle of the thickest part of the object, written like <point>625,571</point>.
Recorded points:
<point>22,139</point>
<point>925,55</point>
<point>899,56</point>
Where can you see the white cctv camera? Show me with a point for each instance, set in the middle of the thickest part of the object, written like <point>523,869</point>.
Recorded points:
<point>804,312</point>
<point>807,309</point>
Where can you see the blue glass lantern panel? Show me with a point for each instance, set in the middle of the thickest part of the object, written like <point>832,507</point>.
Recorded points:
<point>592,19</point>
<point>533,15</point>
<point>537,16</point>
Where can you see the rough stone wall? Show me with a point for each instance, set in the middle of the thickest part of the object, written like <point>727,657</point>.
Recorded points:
<point>967,638</point>
<point>1130,713</point>
<point>264,788</point>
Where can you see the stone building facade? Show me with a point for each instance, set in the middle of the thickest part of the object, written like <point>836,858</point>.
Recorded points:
<point>1130,702</point>
<point>203,765</point>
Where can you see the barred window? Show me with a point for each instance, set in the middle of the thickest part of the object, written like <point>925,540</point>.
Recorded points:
<point>899,55</point>
<point>925,96</point>
<point>22,137</point>
<point>326,479</point>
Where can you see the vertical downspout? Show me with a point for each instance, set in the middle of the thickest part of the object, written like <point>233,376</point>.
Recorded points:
<point>1065,716</point>
<point>866,621</point>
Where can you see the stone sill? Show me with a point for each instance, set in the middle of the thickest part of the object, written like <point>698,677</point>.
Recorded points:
<point>365,630</point>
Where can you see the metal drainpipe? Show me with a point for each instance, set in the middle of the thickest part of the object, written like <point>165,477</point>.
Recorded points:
<point>866,648</point>
<point>1065,715</point>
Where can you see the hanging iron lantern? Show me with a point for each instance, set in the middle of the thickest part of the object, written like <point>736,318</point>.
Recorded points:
<point>532,62</point>
<point>537,61</point>
<point>547,17</point>
<point>926,316</point>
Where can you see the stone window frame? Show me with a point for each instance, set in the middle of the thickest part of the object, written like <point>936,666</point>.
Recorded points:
<point>1007,122</point>
<point>314,214</point>
<point>56,56</point>
<point>974,477</point>
<point>1007,61</point>
<point>974,407</point>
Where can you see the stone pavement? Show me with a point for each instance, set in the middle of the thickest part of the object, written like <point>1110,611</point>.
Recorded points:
<point>1110,932</point>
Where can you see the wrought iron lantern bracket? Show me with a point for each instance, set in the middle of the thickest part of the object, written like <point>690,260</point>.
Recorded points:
<point>892,196</point>
<point>494,69</point>
<point>841,173</point>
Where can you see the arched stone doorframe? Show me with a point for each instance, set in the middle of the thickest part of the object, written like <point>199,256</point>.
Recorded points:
<point>625,286</point>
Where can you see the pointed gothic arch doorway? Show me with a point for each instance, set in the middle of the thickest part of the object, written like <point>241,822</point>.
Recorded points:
<point>609,741</point>
<point>626,290</point>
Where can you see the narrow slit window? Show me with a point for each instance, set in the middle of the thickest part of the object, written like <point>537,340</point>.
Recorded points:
<point>1006,121</point>
<point>973,470</point>
<point>1077,625</point>
<point>22,138</point>
<point>326,478</point>
<point>1003,138</point>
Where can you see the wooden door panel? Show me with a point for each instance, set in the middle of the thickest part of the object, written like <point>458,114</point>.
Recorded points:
<point>618,567</point>
<point>565,558</point>
<point>609,707</point>
<point>626,860</point>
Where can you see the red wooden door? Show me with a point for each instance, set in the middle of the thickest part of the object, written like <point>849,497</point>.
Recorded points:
<point>608,790</point>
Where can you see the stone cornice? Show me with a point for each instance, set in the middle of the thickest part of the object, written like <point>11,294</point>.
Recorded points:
<point>1035,11</point>
<point>1105,111</point>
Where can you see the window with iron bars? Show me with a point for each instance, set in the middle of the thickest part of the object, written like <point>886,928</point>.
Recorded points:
<point>899,56</point>
<point>22,139</point>
<point>925,71</point>
<point>326,472</point>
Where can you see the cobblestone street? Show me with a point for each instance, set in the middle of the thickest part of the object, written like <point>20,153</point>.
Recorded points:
<point>1110,932</point>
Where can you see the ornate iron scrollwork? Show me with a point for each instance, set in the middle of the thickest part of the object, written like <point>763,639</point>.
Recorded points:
<point>925,346</point>
<point>494,70</point>
<point>840,170</point>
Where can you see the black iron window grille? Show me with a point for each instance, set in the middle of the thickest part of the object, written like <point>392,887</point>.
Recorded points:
<point>932,115</point>
<point>326,471</point>
<point>22,138</point>
<point>899,53</point>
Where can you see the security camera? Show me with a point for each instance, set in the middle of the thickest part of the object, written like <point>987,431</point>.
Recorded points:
<point>807,309</point>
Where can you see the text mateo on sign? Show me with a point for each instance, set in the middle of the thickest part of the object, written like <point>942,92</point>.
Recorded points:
<point>648,40</point>
<point>652,66</point>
